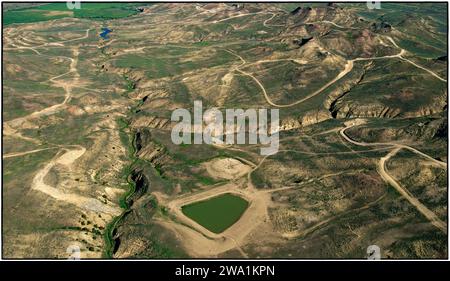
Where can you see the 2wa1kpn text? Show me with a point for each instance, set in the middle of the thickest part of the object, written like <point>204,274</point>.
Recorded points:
<point>226,270</point>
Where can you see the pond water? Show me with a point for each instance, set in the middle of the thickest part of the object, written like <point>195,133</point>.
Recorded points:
<point>105,32</point>
<point>217,213</point>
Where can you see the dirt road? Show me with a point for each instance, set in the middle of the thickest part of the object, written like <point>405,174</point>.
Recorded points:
<point>432,217</point>
<point>381,168</point>
<point>26,152</point>
<point>66,85</point>
<point>347,68</point>
<point>59,193</point>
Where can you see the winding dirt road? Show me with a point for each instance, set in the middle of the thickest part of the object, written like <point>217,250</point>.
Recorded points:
<point>59,43</point>
<point>66,85</point>
<point>238,16</point>
<point>203,243</point>
<point>71,155</point>
<point>357,122</point>
<point>347,68</point>
<point>381,168</point>
<point>58,192</point>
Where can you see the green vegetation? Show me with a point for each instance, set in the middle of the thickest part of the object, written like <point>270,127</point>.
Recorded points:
<point>409,90</point>
<point>27,16</point>
<point>202,43</point>
<point>130,85</point>
<point>108,236</point>
<point>218,213</point>
<point>181,53</point>
<point>125,173</point>
<point>60,10</point>
<point>423,245</point>
<point>157,65</point>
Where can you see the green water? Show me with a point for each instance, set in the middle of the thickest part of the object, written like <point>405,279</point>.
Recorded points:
<point>218,213</point>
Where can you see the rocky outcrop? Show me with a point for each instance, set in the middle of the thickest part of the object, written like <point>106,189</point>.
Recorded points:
<point>333,100</point>
<point>309,118</point>
<point>141,185</point>
<point>349,109</point>
<point>150,93</point>
<point>380,27</point>
<point>314,117</point>
<point>298,10</point>
<point>152,122</point>
<point>290,123</point>
<point>328,13</point>
<point>147,149</point>
<point>302,41</point>
<point>151,151</point>
<point>422,129</point>
<point>353,110</point>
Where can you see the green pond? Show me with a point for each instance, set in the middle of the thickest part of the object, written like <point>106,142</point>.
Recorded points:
<point>218,213</point>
